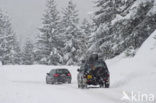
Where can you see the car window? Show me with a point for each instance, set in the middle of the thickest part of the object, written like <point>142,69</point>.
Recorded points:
<point>95,64</point>
<point>82,67</point>
<point>60,71</point>
<point>99,64</point>
<point>52,72</point>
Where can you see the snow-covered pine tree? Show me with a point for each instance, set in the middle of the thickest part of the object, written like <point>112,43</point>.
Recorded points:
<point>15,53</point>
<point>28,53</point>
<point>109,8</point>
<point>7,41</point>
<point>72,34</point>
<point>133,26</point>
<point>49,43</point>
<point>106,11</point>
<point>102,20</point>
<point>126,29</point>
<point>86,29</point>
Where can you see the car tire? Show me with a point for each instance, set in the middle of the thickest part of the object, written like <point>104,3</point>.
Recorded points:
<point>106,84</point>
<point>47,81</point>
<point>79,86</point>
<point>52,82</point>
<point>102,85</point>
<point>69,81</point>
<point>84,86</point>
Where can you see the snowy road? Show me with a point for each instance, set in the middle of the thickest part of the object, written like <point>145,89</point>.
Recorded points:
<point>26,84</point>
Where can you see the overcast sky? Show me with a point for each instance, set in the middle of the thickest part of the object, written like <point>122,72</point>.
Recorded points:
<point>26,15</point>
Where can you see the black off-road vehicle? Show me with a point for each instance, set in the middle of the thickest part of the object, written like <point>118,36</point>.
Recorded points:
<point>93,71</point>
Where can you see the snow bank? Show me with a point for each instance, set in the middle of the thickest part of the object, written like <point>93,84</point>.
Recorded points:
<point>136,74</point>
<point>147,52</point>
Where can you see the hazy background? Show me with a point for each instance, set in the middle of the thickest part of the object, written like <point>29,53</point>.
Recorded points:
<point>26,15</point>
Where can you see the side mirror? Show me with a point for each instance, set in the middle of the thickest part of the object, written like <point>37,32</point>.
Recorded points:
<point>83,61</point>
<point>78,70</point>
<point>48,73</point>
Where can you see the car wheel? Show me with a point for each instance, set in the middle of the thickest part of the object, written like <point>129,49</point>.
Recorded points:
<point>47,82</point>
<point>79,86</point>
<point>69,81</point>
<point>83,85</point>
<point>52,82</point>
<point>102,85</point>
<point>106,84</point>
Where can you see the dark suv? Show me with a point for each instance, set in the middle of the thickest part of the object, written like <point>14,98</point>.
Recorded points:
<point>58,76</point>
<point>93,72</point>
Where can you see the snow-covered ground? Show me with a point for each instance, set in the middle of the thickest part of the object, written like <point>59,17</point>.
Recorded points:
<point>26,84</point>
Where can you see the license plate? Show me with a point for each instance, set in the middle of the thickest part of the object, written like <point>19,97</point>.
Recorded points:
<point>89,76</point>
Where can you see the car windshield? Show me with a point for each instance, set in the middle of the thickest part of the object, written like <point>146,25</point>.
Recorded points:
<point>96,64</point>
<point>52,71</point>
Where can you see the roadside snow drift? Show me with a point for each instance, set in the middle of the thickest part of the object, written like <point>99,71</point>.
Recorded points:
<point>26,84</point>
<point>147,53</point>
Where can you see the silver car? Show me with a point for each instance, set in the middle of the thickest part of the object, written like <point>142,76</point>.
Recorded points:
<point>61,75</point>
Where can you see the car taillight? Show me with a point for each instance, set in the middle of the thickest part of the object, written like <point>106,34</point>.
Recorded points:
<point>69,74</point>
<point>56,75</point>
<point>107,75</point>
<point>105,79</point>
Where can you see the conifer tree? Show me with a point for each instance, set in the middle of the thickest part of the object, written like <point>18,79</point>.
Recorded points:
<point>49,39</point>
<point>8,41</point>
<point>71,33</point>
<point>28,53</point>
